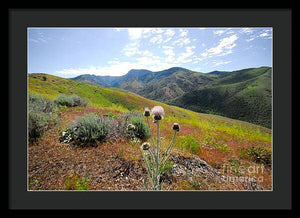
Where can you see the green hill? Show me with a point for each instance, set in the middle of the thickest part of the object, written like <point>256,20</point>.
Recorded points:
<point>243,95</point>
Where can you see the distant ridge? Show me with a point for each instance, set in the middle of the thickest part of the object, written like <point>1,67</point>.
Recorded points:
<point>242,94</point>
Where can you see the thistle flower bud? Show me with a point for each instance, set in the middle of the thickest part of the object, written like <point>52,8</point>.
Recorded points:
<point>146,146</point>
<point>130,127</point>
<point>157,117</point>
<point>158,112</point>
<point>176,127</point>
<point>147,112</point>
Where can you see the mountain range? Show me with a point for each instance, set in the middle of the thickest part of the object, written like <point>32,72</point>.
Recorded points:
<point>243,94</point>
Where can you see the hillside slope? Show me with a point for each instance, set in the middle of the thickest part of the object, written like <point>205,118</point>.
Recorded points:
<point>243,95</point>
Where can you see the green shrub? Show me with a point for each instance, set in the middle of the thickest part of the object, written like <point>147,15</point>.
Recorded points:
<point>38,123</point>
<point>260,155</point>
<point>70,101</point>
<point>142,130</point>
<point>39,104</point>
<point>89,128</point>
<point>40,116</point>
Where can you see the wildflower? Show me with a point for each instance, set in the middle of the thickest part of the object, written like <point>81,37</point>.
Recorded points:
<point>147,112</point>
<point>146,146</point>
<point>176,127</point>
<point>130,127</point>
<point>158,112</point>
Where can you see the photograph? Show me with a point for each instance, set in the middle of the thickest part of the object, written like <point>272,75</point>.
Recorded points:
<point>150,109</point>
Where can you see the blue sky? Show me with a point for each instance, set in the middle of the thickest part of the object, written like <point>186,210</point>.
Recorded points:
<point>69,52</point>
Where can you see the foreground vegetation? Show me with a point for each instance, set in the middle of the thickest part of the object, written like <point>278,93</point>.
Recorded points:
<point>220,141</point>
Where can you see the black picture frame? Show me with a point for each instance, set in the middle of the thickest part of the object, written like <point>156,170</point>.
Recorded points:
<point>281,22</point>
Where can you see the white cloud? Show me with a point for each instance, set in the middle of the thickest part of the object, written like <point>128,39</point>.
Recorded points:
<point>219,32</point>
<point>168,39</point>
<point>131,49</point>
<point>229,32</point>
<point>145,53</point>
<point>182,41</point>
<point>224,47</point>
<point>183,32</point>
<point>156,39</point>
<point>157,30</point>
<point>182,58</point>
<point>114,69</point>
<point>262,34</point>
<point>168,50</point>
<point>170,33</point>
<point>250,39</point>
<point>135,33</point>
<point>148,32</point>
<point>246,30</point>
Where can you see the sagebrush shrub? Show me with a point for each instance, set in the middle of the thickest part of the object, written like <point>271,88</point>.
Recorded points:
<point>39,104</point>
<point>78,101</point>
<point>38,123</point>
<point>40,116</point>
<point>142,129</point>
<point>70,101</point>
<point>89,128</point>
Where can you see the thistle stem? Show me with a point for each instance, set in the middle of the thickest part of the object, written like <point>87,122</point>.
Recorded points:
<point>148,168</point>
<point>158,154</point>
<point>168,150</point>
<point>152,138</point>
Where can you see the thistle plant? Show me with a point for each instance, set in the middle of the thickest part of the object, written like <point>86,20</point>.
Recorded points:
<point>155,159</point>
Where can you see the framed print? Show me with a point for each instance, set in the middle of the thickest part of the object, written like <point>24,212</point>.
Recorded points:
<point>108,105</point>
